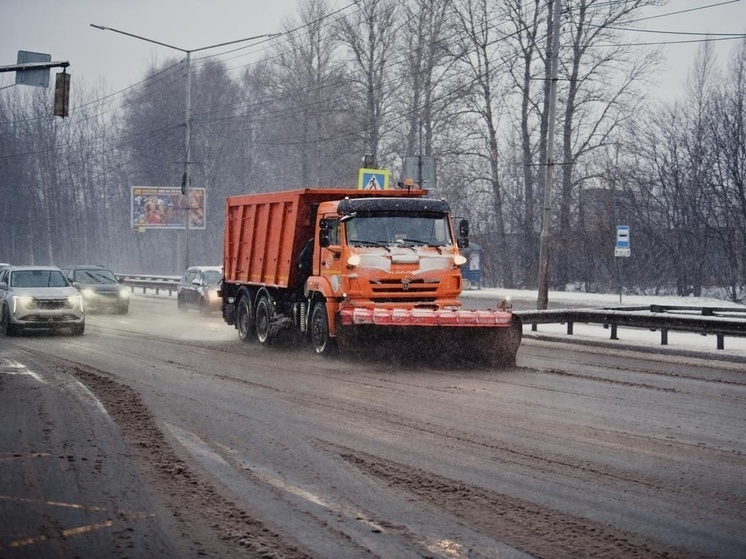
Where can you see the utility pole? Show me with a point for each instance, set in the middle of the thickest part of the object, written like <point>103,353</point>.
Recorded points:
<point>543,300</point>
<point>185,182</point>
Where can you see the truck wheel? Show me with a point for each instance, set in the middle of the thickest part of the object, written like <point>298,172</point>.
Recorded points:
<point>323,344</point>
<point>245,318</point>
<point>264,314</point>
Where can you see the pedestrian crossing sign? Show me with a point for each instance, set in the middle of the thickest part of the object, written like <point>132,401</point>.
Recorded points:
<point>373,179</point>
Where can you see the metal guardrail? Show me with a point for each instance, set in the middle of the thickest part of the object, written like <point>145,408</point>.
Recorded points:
<point>145,282</point>
<point>721,322</point>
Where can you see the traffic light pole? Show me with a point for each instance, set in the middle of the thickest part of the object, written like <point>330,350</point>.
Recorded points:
<point>33,66</point>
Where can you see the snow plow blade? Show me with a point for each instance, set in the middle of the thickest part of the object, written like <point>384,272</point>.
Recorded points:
<point>486,338</point>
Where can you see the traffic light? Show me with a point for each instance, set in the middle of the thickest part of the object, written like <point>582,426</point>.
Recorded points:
<point>62,94</point>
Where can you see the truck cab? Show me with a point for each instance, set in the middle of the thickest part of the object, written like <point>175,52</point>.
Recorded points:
<point>382,252</point>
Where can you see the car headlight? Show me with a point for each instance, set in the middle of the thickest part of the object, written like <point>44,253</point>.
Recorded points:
<point>75,301</point>
<point>212,294</point>
<point>22,301</point>
<point>87,292</point>
<point>124,293</point>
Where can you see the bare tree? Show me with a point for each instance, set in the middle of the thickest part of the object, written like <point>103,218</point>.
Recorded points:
<point>424,71</point>
<point>600,91</point>
<point>729,135</point>
<point>310,99</point>
<point>526,68</point>
<point>479,39</point>
<point>370,36</point>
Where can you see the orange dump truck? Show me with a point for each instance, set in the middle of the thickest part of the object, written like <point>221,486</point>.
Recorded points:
<point>356,270</point>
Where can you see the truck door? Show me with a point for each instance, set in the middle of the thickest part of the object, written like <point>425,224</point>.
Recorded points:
<point>330,260</point>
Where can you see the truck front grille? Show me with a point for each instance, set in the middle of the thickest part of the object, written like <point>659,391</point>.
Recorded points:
<point>403,291</point>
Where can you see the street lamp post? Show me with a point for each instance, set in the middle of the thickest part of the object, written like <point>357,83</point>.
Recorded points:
<point>188,139</point>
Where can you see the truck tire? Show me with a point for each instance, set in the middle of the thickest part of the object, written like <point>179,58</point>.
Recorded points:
<point>322,343</point>
<point>264,314</point>
<point>245,318</point>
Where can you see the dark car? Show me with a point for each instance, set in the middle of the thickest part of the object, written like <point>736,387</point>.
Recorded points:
<point>198,288</point>
<point>100,288</point>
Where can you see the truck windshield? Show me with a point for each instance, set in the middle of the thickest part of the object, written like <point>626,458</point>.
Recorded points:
<point>372,229</point>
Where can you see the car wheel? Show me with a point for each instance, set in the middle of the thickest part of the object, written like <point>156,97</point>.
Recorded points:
<point>180,303</point>
<point>78,329</point>
<point>204,307</point>
<point>8,328</point>
<point>123,310</point>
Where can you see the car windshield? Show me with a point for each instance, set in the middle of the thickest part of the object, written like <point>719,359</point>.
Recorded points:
<point>390,228</point>
<point>212,276</point>
<point>94,275</point>
<point>38,278</point>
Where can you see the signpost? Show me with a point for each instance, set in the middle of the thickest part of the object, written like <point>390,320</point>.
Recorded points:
<point>38,77</point>
<point>373,179</point>
<point>421,169</point>
<point>621,250</point>
<point>33,69</point>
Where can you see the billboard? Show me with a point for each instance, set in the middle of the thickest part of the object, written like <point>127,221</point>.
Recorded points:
<point>163,207</point>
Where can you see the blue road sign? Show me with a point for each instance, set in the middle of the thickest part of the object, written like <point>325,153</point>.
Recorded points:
<point>622,236</point>
<point>373,179</point>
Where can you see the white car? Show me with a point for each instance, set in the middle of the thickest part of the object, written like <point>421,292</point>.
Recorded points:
<point>39,298</point>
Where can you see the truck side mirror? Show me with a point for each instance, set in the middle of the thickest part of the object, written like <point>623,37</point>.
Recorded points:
<point>463,228</point>
<point>463,234</point>
<point>324,240</point>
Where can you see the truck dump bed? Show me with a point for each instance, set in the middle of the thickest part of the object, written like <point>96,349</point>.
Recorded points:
<point>265,232</point>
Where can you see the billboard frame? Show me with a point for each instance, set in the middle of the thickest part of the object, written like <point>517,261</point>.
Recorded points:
<point>163,207</point>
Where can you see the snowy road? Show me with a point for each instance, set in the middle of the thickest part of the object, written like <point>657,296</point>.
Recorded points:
<point>204,446</point>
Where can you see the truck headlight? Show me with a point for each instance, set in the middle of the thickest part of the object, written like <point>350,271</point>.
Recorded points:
<point>459,260</point>
<point>353,261</point>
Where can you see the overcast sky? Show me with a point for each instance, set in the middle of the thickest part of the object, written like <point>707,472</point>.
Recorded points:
<point>62,29</point>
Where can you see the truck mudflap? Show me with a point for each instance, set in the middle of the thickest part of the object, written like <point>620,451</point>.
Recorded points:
<point>485,338</point>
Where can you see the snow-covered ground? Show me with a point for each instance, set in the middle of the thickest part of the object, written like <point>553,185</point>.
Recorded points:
<point>627,336</point>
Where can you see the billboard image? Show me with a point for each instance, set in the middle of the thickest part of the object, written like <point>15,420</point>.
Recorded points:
<point>163,207</point>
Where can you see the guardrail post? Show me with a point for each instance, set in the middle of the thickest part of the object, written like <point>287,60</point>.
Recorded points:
<point>664,336</point>
<point>721,341</point>
<point>569,327</point>
<point>613,332</point>
<point>534,327</point>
